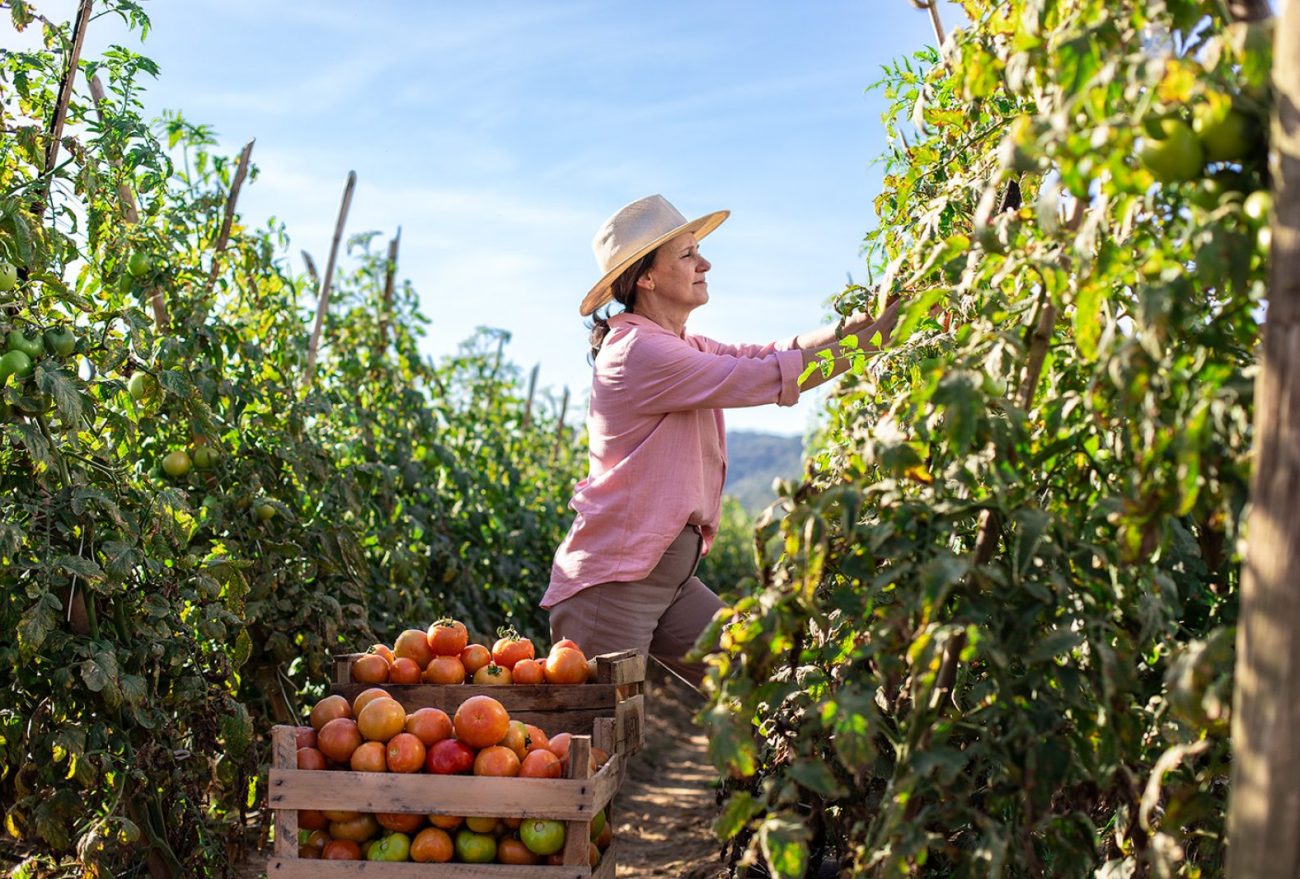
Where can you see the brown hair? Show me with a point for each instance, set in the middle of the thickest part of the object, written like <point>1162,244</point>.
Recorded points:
<point>624,291</point>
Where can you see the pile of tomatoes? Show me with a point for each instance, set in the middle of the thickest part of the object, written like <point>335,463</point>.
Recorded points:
<point>444,655</point>
<point>374,733</point>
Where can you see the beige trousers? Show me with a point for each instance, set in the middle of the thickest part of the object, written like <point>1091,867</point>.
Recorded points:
<point>662,615</point>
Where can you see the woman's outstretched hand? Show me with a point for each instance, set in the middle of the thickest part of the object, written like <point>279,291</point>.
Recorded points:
<point>827,339</point>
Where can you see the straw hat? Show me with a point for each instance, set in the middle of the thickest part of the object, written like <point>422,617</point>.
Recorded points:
<point>634,231</point>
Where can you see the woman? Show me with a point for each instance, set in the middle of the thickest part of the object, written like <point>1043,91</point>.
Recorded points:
<point>624,576</point>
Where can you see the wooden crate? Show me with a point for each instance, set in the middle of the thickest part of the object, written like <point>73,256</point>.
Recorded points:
<point>575,800</point>
<point>616,692</point>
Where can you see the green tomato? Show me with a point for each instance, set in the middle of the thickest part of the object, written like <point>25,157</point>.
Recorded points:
<point>32,346</point>
<point>1175,157</point>
<point>8,276</point>
<point>139,264</point>
<point>475,848</point>
<point>1264,241</point>
<point>393,847</point>
<point>177,464</point>
<point>1225,134</point>
<point>597,824</point>
<point>15,363</point>
<point>60,341</point>
<point>264,512</point>
<point>141,385</point>
<point>1258,206</point>
<point>542,836</point>
<point>205,457</point>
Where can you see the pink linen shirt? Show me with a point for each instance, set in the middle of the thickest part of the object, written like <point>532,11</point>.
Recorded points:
<point>658,446</point>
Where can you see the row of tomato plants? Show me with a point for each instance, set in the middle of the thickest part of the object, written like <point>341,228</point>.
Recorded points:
<point>193,523</point>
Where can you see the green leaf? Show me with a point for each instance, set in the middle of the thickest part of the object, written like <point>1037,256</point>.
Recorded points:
<point>784,843</point>
<point>36,624</point>
<point>740,807</point>
<point>80,567</point>
<point>1059,641</point>
<point>817,777</point>
<point>60,386</point>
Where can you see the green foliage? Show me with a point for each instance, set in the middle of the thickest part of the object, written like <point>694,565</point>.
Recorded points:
<point>161,623</point>
<point>994,633</point>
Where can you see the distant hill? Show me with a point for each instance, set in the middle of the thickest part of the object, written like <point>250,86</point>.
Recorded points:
<point>754,460</point>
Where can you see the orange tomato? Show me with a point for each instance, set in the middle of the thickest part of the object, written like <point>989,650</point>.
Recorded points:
<point>429,725</point>
<point>566,642</point>
<point>312,819</point>
<point>446,822</point>
<point>493,675</point>
<point>445,670</point>
<point>447,637</point>
<point>566,666</point>
<point>341,850</point>
<point>385,651</point>
<point>369,757</point>
<point>339,738</point>
<point>559,746</point>
<point>400,822</point>
<point>365,697</point>
<point>536,738</point>
<point>370,668</point>
<point>474,657</point>
<point>328,709</point>
<point>513,851</point>
<point>480,722</point>
<point>497,760</point>
<point>541,764</point>
<point>405,753</point>
<point>414,644</point>
<point>310,758</point>
<point>516,738</point>
<point>432,845</point>
<point>404,670</point>
<point>510,648</point>
<point>528,671</point>
<point>357,829</point>
<point>381,719</point>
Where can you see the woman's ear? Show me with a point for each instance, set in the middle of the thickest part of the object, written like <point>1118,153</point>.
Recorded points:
<point>645,282</point>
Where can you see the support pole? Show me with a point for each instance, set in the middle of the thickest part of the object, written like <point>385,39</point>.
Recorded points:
<point>323,305</point>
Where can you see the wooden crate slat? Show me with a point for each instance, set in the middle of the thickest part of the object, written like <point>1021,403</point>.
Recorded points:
<point>578,833</point>
<point>538,697</point>
<point>620,668</point>
<point>629,725</point>
<point>284,754</point>
<point>295,868</point>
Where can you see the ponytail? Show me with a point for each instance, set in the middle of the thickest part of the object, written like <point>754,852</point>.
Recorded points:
<point>624,290</point>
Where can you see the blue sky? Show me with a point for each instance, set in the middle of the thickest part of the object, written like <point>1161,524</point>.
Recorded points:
<point>499,135</point>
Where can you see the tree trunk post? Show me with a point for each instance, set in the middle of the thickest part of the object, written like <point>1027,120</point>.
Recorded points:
<point>1264,807</point>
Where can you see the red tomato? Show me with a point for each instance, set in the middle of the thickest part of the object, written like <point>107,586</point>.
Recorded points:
<point>566,666</point>
<point>449,757</point>
<point>447,637</point>
<point>510,648</point>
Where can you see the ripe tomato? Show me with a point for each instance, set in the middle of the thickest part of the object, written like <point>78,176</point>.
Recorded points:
<point>400,822</point>
<point>358,829</point>
<point>529,672</point>
<point>309,852</point>
<point>370,668</point>
<point>404,670</point>
<point>474,657</point>
<point>329,708</point>
<point>480,824</point>
<point>429,725</point>
<point>449,757</point>
<point>510,648</point>
<point>305,736</point>
<point>447,637</point>
<point>475,848</point>
<point>513,851</point>
<point>385,651</point>
<point>516,738</point>
<point>414,644</point>
<point>559,746</point>
<point>341,850</point>
<point>566,666</point>
<point>536,738</point>
<point>493,675</point>
<point>498,761</point>
<point>541,764</point>
<point>365,697</point>
<point>605,837</point>
<point>444,670</point>
<point>542,836</point>
<point>405,753</point>
<point>339,738</point>
<point>369,757</point>
<point>312,819</point>
<point>446,822</point>
<point>310,758</point>
<point>432,845</point>
<point>381,719</point>
<point>566,642</point>
<point>481,721</point>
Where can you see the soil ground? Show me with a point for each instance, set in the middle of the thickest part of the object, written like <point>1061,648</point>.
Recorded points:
<point>666,807</point>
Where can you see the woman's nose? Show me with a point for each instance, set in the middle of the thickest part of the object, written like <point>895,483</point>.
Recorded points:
<point>704,266</point>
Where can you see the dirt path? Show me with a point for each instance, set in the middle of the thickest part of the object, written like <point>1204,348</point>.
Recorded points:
<point>668,801</point>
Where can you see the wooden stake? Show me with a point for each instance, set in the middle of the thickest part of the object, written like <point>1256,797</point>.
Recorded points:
<point>66,85</point>
<point>390,278</point>
<point>323,305</point>
<point>559,427</point>
<point>532,389</point>
<point>933,7</point>
<point>130,211</point>
<point>1264,811</point>
<point>223,237</point>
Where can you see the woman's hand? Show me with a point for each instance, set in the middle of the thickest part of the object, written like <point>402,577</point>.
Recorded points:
<point>827,338</point>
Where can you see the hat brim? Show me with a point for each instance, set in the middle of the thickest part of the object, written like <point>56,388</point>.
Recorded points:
<point>601,293</point>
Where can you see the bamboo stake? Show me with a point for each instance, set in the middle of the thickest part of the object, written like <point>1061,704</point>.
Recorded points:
<point>532,389</point>
<point>390,278</point>
<point>223,237</point>
<point>132,213</point>
<point>933,7</point>
<point>1263,810</point>
<point>559,427</point>
<point>323,305</point>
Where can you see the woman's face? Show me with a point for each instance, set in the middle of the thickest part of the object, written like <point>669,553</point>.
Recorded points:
<point>675,280</point>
